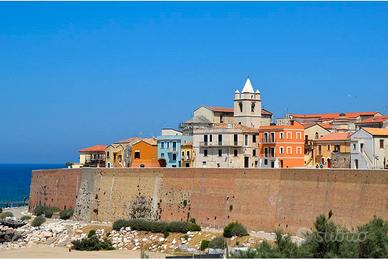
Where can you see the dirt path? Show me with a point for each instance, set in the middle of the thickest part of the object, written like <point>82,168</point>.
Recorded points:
<point>58,252</point>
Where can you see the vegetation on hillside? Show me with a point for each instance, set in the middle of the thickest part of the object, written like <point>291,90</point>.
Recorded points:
<point>328,240</point>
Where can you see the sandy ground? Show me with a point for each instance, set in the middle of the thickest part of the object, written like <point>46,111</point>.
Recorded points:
<point>17,211</point>
<point>59,252</point>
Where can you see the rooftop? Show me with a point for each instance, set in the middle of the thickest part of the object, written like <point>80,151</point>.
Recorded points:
<point>336,136</point>
<point>96,148</point>
<point>377,131</point>
<point>230,110</point>
<point>376,119</point>
<point>328,116</point>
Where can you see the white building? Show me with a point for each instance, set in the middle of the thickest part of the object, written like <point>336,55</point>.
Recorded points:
<point>226,145</point>
<point>369,148</point>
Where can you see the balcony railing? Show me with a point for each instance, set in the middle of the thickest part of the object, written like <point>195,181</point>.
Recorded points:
<point>219,144</point>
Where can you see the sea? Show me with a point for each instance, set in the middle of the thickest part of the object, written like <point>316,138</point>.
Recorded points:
<point>15,182</point>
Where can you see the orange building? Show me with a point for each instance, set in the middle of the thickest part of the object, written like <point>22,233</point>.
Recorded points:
<point>145,153</point>
<point>282,146</point>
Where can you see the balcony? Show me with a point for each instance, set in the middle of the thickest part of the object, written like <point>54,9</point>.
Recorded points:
<point>219,144</point>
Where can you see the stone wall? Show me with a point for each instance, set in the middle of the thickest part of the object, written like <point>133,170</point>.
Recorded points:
<point>262,199</point>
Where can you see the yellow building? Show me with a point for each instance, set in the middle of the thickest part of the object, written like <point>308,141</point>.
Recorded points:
<point>311,134</point>
<point>117,155</point>
<point>332,150</point>
<point>187,154</point>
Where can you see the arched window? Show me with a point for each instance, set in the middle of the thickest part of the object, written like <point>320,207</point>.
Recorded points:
<point>253,107</point>
<point>316,135</point>
<point>241,106</point>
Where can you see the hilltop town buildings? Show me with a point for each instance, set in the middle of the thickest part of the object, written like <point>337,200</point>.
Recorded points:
<point>92,156</point>
<point>245,136</point>
<point>369,148</point>
<point>282,146</point>
<point>170,151</point>
<point>332,150</point>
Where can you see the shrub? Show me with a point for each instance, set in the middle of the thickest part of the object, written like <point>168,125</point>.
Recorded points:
<point>119,224</point>
<point>376,240</point>
<point>204,244</point>
<point>156,226</point>
<point>6,214</point>
<point>66,214</point>
<point>39,220</point>
<point>91,233</point>
<point>25,218</point>
<point>39,210</point>
<point>235,229</point>
<point>92,244</point>
<point>166,234</point>
<point>217,243</point>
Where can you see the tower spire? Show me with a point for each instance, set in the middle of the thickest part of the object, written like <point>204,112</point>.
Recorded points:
<point>248,87</point>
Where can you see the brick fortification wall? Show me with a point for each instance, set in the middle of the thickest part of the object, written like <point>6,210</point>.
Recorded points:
<point>261,199</point>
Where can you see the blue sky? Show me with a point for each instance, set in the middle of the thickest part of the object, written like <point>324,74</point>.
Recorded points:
<point>78,74</point>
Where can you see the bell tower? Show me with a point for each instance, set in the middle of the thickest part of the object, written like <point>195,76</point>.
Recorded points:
<point>247,106</point>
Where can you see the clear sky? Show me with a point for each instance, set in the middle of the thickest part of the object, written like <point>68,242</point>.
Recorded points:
<point>79,74</point>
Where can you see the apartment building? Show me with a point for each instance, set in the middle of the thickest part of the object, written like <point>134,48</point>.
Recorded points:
<point>282,146</point>
<point>93,156</point>
<point>369,148</point>
<point>170,152</point>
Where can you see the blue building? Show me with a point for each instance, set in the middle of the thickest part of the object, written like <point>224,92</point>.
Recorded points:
<point>170,147</point>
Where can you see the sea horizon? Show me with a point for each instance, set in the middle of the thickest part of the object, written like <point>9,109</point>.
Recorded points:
<point>16,180</point>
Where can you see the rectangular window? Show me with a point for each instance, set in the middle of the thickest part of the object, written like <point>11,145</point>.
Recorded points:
<point>254,138</point>
<point>167,144</point>
<point>220,139</point>
<point>272,150</point>
<point>162,154</point>
<point>205,152</point>
<point>246,140</point>
<point>337,148</point>
<point>205,138</point>
<point>266,152</point>
<point>289,150</point>
<point>281,135</point>
<point>266,161</point>
<point>254,152</point>
<point>107,154</point>
<point>235,152</point>
<point>362,147</point>
<point>173,157</point>
<point>272,137</point>
<point>354,146</point>
<point>298,135</point>
<point>235,139</point>
<point>265,136</point>
<point>328,147</point>
<point>281,150</point>
<point>161,144</point>
<point>289,135</point>
<point>381,143</point>
<point>219,152</point>
<point>298,150</point>
<point>174,146</point>
<point>137,154</point>
<point>211,138</point>
<point>320,150</point>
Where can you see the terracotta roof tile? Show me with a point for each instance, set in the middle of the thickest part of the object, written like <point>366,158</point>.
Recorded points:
<point>377,131</point>
<point>375,119</point>
<point>230,110</point>
<point>327,116</point>
<point>96,148</point>
<point>336,136</point>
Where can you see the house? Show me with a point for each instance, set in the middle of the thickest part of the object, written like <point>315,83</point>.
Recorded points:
<point>247,111</point>
<point>311,133</point>
<point>375,122</point>
<point>340,121</point>
<point>332,150</point>
<point>369,148</point>
<point>170,143</point>
<point>188,155</point>
<point>117,154</point>
<point>282,146</point>
<point>144,153</point>
<point>226,146</point>
<point>93,156</point>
